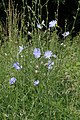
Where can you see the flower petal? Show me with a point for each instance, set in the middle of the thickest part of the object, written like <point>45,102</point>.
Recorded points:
<point>48,54</point>
<point>36,82</point>
<point>17,66</point>
<point>52,23</point>
<point>37,52</point>
<point>12,80</point>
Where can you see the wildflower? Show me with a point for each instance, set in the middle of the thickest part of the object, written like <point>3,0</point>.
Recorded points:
<point>37,52</point>
<point>39,26</point>
<point>20,49</point>
<point>36,82</point>
<point>12,80</point>
<point>52,23</point>
<point>17,66</point>
<point>48,54</point>
<point>65,34</point>
<point>50,64</point>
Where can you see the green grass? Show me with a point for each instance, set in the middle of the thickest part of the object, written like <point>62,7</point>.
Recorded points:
<point>57,96</point>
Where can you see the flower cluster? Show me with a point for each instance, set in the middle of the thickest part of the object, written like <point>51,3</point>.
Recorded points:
<point>48,56</point>
<point>52,24</point>
<point>17,66</point>
<point>37,54</point>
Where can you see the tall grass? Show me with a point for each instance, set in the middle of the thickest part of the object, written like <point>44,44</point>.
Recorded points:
<point>56,95</point>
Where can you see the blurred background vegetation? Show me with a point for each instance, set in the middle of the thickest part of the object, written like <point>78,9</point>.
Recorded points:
<point>66,12</point>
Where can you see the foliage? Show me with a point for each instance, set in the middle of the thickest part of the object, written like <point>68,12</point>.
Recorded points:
<point>56,93</point>
<point>39,77</point>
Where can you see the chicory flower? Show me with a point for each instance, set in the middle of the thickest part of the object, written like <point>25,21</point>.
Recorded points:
<point>65,34</point>
<point>12,80</point>
<point>48,54</point>
<point>36,82</point>
<point>52,23</point>
<point>17,66</point>
<point>50,64</point>
<point>37,52</point>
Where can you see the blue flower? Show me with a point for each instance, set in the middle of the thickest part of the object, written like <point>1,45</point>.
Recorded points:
<point>36,82</point>
<point>50,64</point>
<point>65,34</point>
<point>52,23</point>
<point>12,80</point>
<point>17,66</point>
<point>39,26</point>
<point>37,52</point>
<point>48,54</point>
